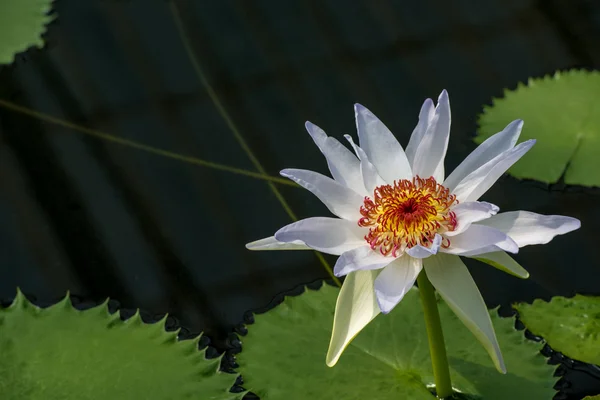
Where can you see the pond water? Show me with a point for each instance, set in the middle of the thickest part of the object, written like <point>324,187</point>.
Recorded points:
<point>166,233</point>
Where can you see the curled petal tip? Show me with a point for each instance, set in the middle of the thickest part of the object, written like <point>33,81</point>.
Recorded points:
<point>338,272</point>
<point>359,108</point>
<point>427,104</point>
<point>385,312</point>
<point>517,124</point>
<point>571,224</point>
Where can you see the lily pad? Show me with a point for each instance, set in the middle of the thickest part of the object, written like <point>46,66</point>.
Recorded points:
<point>597,397</point>
<point>63,353</point>
<point>569,325</point>
<point>22,23</point>
<point>284,351</point>
<point>563,113</point>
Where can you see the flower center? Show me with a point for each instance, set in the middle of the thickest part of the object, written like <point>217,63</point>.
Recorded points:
<point>408,213</point>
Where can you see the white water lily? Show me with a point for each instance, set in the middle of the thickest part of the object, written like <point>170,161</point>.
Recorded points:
<point>398,215</point>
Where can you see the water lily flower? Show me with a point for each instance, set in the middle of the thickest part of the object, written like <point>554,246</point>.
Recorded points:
<point>397,214</point>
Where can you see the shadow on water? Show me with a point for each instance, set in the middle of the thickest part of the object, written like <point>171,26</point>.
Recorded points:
<point>104,220</point>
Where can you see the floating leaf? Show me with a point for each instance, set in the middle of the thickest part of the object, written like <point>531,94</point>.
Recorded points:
<point>22,23</point>
<point>597,397</point>
<point>283,356</point>
<point>569,325</point>
<point>63,353</point>
<point>563,113</point>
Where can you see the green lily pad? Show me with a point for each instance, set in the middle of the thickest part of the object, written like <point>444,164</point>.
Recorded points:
<point>22,23</point>
<point>569,325</point>
<point>284,351</point>
<point>63,353</point>
<point>597,397</point>
<point>563,113</point>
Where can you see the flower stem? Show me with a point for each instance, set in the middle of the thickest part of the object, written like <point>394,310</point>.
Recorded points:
<point>437,348</point>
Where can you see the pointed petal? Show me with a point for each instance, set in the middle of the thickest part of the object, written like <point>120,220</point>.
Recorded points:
<point>329,235</point>
<point>271,243</point>
<point>455,285</point>
<point>469,212</point>
<point>419,251</point>
<point>474,185</point>
<point>355,308</point>
<point>429,156</point>
<point>478,239</point>
<point>527,228</point>
<point>371,178</point>
<point>360,258</point>
<point>381,147</point>
<point>425,117</point>
<point>340,200</point>
<point>504,262</point>
<point>486,151</point>
<point>395,280</point>
<point>317,134</point>
<point>343,165</point>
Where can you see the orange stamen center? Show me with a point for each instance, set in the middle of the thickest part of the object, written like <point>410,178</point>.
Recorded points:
<point>408,213</point>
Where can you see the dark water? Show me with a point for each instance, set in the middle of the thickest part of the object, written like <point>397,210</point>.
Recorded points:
<point>104,220</point>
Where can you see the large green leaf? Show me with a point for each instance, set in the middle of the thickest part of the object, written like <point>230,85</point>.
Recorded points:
<point>563,113</point>
<point>283,356</point>
<point>60,353</point>
<point>22,23</point>
<point>597,397</point>
<point>569,325</point>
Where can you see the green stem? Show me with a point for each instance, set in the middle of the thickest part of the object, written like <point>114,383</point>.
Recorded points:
<point>437,348</point>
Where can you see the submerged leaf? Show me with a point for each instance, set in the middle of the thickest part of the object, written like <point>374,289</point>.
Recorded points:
<point>563,113</point>
<point>569,325</point>
<point>60,353</point>
<point>284,356</point>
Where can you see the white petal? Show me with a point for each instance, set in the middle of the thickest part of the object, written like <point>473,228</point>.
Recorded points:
<point>419,251</point>
<point>429,156</point>
<point>504,262</point>
<point>371,178</point>
<point>359,259</point>
<point>486,151</point>
<point>343,165</point>
<point>474,185</point>
<point>381,147</point>
<point>340,200</point>
<point>329,235</point>
<point>469,212</point>
<point>479,239</point>
<point>527,228</point>
<point>425,116</point>
<point>455,285</point>
<point>356,306</point>
<point>395,280</point>
<point>271,243</point>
